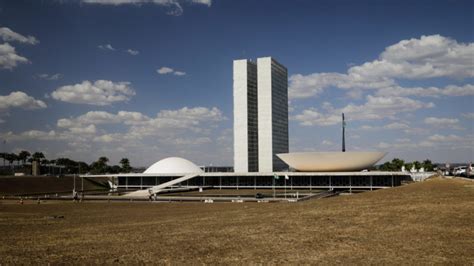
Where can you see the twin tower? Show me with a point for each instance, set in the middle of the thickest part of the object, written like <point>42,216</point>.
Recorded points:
<point>260,115</point>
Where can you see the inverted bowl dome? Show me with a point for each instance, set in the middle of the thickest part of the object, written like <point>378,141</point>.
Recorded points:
<point>331,161</point>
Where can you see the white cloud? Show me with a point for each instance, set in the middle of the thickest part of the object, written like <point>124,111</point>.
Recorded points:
<point>106,47</point>
<point>19,99</point>
<point>83,130</point>
<point>30,135</point>
<point>327,142</point>
<point>175,8</point>
<point>167,70</point>
<point>132,52</point>
<point>390,126</point>
<point>164,70</point>
<point>442,122</point>
<point>190,141</point>
<point>170,122</point>
<point>396,125</point>
<point>311,85</point>
<point>101,117</point>
<point>50,77</point>
<point>468,115</point>
<point>373,109</point>
<point>204,2</point>
<point>100,92</point>
<point>9,58</point>
<point>445,138</point>
<point>427,57</point>
<point>8,35</point>
<point>450,90</point>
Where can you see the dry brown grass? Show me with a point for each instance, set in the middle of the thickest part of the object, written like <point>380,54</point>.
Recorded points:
<point>429,222</point>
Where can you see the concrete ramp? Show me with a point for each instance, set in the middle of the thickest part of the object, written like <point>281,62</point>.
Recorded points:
<point>156,189</point>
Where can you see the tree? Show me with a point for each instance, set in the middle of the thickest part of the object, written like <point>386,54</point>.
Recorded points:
<point>83,167</point>
<point>99,166</point>
<point>387,166</point>
<point>37,156</point>
<point>125,165</point>
<point>428,165</point>
<point>417,165</point>
<point>397,164</point>
<point>408,166</point>
<point>23,156</point>
<point>115,169</point>
<point>11,157</point>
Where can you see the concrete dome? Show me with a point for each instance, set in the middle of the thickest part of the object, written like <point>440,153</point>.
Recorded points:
<point>173,165</point>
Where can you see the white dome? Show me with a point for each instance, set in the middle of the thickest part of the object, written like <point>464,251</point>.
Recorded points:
<point>173,165</point>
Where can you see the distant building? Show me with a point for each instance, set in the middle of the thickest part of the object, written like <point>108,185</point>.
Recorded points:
<point>260,115</point>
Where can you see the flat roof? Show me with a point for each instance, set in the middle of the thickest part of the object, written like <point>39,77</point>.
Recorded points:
<point>280,174</point>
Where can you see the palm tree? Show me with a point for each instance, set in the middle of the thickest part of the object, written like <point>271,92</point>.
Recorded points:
<point>11,157</point>
<point>3,155</point>
<point>37,156</point>
<point>23,155</point>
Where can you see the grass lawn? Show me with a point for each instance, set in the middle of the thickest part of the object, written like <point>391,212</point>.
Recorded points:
<point>428,222</point>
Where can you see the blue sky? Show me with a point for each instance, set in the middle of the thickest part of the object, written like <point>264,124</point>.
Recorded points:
<point>148,79</point>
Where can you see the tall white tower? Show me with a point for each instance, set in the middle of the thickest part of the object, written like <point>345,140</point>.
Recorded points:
<point>272,86</point>
<point>245,116</point>
<point>260,115</point>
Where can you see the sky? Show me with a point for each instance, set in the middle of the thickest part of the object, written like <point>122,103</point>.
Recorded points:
<point>149,79</point>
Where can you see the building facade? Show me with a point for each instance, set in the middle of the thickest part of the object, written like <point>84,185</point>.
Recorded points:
<point>272,114</point>
<point>260,115</point>
<point>245,116</point>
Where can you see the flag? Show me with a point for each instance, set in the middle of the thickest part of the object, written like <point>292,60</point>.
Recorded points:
<point>287,177</point>
<point>275,176</point>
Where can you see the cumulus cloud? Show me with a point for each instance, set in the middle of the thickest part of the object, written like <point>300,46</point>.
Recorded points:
<point>445,138</point>
<point>450,90</point>
<point>427,57</point>
<point>167,70</point>
<point>451,123</point>
<point>19,99</point>
<point>373,109</point>
<point>50,77</point>
<point>7,35</point>
<point>100,92</point>
<point>106,47</point>
<point>9,58</point>
<point>102,117</point>
<point>132,52</point>
<point>30,135</point>
<point>167,124</point>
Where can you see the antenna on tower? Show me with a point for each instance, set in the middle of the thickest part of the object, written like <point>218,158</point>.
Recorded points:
<point>343,133</point>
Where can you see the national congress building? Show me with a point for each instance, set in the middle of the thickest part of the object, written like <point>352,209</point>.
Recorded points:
<point>260,115</point>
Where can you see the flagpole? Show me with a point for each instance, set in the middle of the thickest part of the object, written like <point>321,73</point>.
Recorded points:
<point>273,185</point>
<point>343,133</point>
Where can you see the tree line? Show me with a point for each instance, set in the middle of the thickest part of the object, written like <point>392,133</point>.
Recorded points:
<point>65,165</point>
<point>396,165</point>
